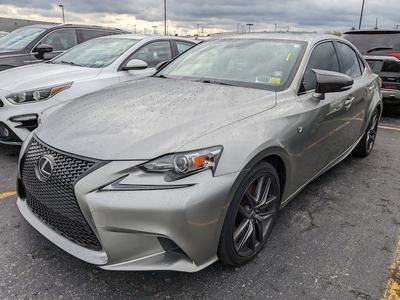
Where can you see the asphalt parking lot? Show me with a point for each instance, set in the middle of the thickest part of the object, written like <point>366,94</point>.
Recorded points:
<point>338,239</point>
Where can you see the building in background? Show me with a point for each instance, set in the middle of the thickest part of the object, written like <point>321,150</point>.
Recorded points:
<point>9,24</point>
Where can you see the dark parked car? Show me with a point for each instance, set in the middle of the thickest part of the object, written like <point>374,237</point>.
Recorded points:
<point>35,43</point>
<point>375,42</point>
<point>388,68</point>
<point>381,49</point>
<point>191,165</point>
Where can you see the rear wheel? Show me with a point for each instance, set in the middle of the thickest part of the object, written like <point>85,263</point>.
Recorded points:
<point>250,216</point>
<point>367,142</point>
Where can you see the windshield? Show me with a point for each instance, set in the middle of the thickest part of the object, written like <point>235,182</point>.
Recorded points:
<point>20,38</point>
<point>96,53</point>
<point>374,42</point>
<point>258,63</point>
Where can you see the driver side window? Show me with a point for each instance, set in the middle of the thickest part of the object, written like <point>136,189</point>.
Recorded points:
<point>323,57</point>
<point>61,40</point>
<point>154,53</point>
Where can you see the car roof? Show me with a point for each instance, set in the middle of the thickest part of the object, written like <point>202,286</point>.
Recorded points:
<point>149,37</point>
<point>47,26</point>
<point>293,36</point>
<point>372,31</point>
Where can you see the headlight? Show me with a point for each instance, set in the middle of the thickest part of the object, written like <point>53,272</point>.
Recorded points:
<point>39,94</point>
<point>183,164</point>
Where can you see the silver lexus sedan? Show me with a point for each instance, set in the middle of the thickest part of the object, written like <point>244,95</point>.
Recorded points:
<point>192,165</point>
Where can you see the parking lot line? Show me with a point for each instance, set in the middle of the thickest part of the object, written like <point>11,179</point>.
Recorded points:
<point>390,128</point>
<point>392,291</point>
<point>7,194</point>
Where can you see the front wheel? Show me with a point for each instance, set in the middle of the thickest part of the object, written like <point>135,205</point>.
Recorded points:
<point>367,142</point>
<point>250,216</point>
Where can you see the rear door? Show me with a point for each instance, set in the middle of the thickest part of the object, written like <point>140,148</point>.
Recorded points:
<point>360,94</point>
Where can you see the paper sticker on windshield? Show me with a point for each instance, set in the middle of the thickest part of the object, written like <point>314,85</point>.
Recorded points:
<point>275,80</point>
<point>278,74</point>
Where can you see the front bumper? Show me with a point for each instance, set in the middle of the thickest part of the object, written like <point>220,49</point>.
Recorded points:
<point>162,229</point>
<point>18,120</point>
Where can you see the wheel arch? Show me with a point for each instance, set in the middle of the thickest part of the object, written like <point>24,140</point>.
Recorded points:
<point>277,157</point>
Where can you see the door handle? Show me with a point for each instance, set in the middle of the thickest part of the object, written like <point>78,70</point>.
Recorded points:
<point>349,102</point>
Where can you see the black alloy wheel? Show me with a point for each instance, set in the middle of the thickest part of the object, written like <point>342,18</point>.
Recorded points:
<point>251,216</point>
<point>367,142</point>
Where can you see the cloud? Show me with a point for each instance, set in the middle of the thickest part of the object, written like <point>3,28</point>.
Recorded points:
<point>222,15</point>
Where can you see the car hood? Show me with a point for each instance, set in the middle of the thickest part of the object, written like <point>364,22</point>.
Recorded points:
<point>148,118</point>
<point>7,52</point>
<point>42,75</point>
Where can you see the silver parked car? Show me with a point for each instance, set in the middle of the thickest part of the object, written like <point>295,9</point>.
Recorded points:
<point>191,165</point>
<point>95,64</point>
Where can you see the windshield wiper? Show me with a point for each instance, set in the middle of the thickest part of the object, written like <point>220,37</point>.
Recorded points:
<point>216,82</point>
<point>378,49</point>
<point>70,63</point>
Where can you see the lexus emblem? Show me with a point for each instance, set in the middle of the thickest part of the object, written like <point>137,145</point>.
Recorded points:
<point>44,167</point>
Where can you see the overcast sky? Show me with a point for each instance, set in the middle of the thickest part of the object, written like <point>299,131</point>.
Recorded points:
<point>212,16</point>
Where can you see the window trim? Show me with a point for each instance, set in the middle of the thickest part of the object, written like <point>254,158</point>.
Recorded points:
<point>47,34</point>
<point>300,84</point>
<point>358,59</point>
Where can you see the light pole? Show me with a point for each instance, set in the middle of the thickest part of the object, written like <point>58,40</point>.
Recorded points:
<point>362,10</point>
<point>249,26</point>
<point>237,27</point>
<point>275,27</point>
<point>165,17</point>
<point>62,7</point>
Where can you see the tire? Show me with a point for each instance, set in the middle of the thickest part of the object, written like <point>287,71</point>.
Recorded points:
<point>364,147</point>
<point>250,216</point>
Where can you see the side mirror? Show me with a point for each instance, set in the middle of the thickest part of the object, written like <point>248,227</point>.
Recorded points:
<point>331,82</point>
<point>161,65</point>
<point>41,50</point>
<point>135,64</point>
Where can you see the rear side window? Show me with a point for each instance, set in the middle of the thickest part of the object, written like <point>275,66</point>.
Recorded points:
<point>88,34</point>
<point>323,57</point>
<point>350,61</point>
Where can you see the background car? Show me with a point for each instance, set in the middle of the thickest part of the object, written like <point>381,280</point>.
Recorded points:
<point>381,48</point>
<point>191,165</point>
<point>95,64</point>
<point>375,42</point>
<point>388,68</point>
<point>34,43</point>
